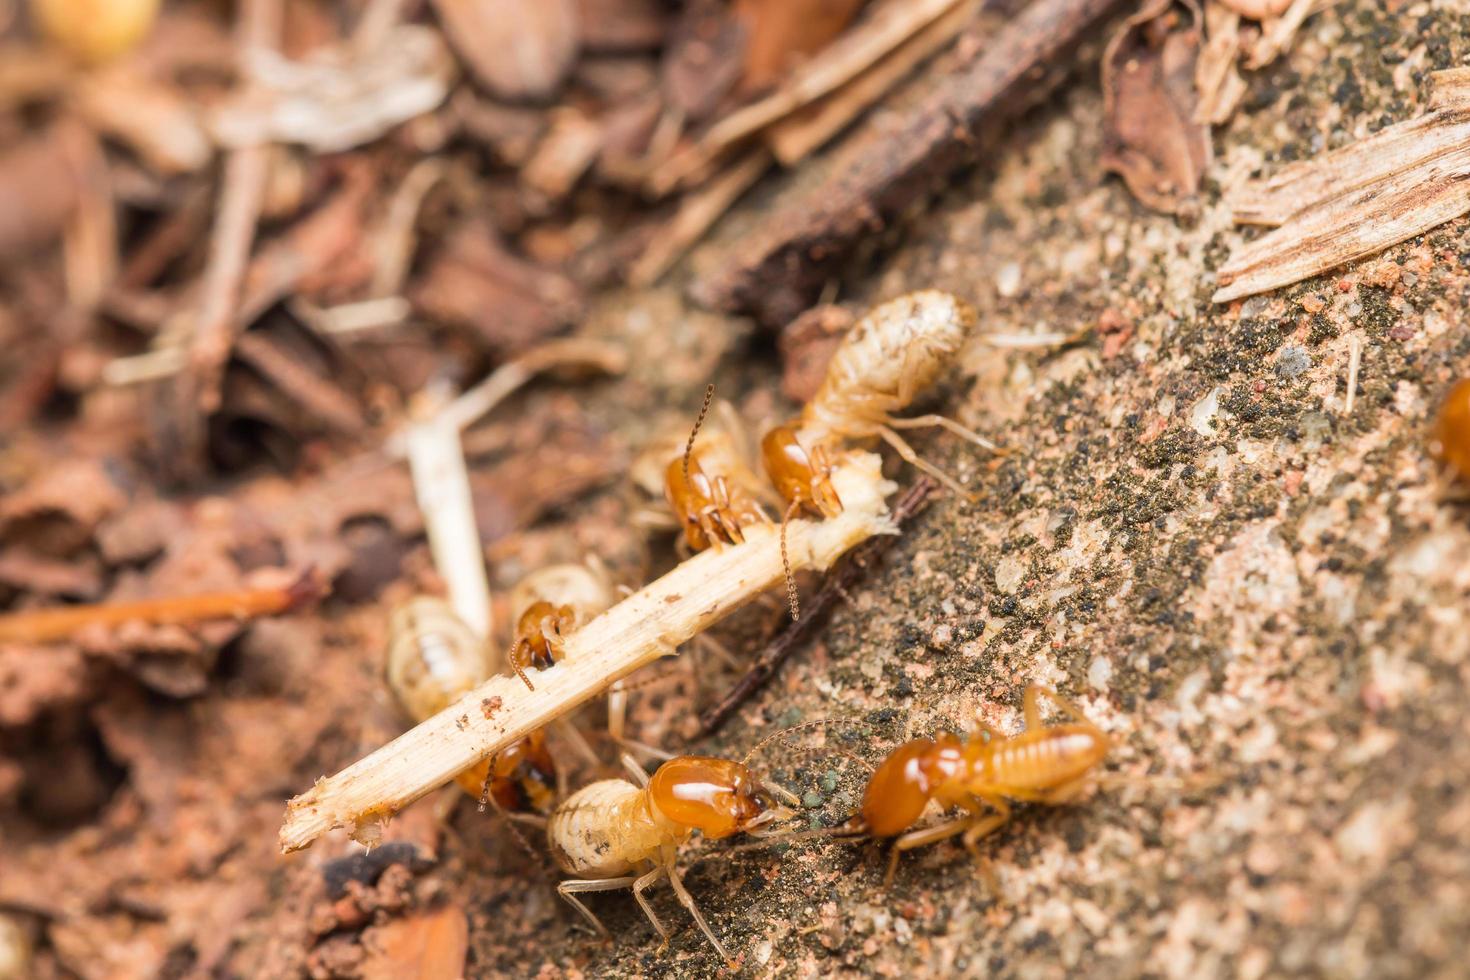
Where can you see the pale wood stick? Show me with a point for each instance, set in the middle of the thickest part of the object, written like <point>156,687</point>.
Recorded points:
<point>647,625</point>
<point>442,486</point>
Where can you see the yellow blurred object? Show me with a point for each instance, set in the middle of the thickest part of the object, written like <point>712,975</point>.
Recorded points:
<point>94,31</point>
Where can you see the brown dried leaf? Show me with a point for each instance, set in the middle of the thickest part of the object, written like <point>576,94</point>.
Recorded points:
<point>518,49</point>
<point>40,185</point>
<point>780,33</point>
<point>1149,100</point>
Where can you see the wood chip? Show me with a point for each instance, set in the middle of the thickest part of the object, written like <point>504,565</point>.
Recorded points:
<point>1355,201</point>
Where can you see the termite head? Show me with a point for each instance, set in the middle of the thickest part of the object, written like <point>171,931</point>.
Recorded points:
<point>905,782</point>
<point>523,776</point>
<point>1451,443</point>
<point>539,635</point>
<point>717,797</point>
<point>804,479</point>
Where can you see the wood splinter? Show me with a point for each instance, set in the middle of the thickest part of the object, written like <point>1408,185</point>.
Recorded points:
<point>647,625</point>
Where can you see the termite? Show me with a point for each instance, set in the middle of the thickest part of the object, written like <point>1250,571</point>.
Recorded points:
<point>433,660</point>
<point>709,488</point>
<point>1451,441</point>
<point>891,355</point>
<point>982,775</point>
<point>617,833</point>
<point>547,605</point>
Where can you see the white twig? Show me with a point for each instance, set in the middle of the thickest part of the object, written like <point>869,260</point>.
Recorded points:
<point>465,410</point>
<point>442,487</point>
<point>637,631</point>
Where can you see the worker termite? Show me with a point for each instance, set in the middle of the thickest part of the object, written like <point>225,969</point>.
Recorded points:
<point>982,775</point>
<point>710,488</point>
<point>1451,441</point>
<point>433,660</point>
<point>546,606</point>
<point>616,834</point>
<point>891,355</point>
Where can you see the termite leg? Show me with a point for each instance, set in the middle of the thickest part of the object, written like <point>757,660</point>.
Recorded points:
<point>617,714</point>
<point>1066,792</point>
<point>571,888</point>
<point>706,642</point>
<point>909,456</point>
<point>643,882</point>
<point>631,766</point>
<point>919,838</point>
<point>1032,702</point>
<point>983,827</point>
<point>515,832</point>
<point>712,527</point>
<point>948,424</point>
<point>688,901</point>
<point>983,727</point>
<point>578,741</point>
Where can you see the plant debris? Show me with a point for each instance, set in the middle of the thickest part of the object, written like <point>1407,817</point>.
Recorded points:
<point>1154,138</point>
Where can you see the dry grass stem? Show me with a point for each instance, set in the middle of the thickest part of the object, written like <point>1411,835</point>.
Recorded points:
<point>637,631</point>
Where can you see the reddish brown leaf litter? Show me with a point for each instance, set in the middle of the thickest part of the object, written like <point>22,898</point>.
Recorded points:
<point>1221,530</point>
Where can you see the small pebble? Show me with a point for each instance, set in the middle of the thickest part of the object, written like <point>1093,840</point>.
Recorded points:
<point>1292,362</point>
<point>829,781</point>
<point>811,799</point>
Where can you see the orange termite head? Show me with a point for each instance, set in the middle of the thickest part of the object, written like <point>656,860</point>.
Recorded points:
<point>1452,430</point>
<point>905,781</point>
<point>524,776</point>
<point>689,497</point>
<point>715,796</point>
<point>533,646</point>
<point>801,477</point>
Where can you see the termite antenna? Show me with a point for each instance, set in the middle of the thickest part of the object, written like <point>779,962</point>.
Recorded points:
<point>485,786</point>
<point>511,659</point>
<point>791,596</point>
<point>782,733</point>
<point>709,394</point>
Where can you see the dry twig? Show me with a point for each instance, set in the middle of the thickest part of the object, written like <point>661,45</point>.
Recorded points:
<point>637,631</point>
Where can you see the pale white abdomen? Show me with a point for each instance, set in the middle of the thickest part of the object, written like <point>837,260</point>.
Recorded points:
<point>605,830</point>
<point>897,350</point>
